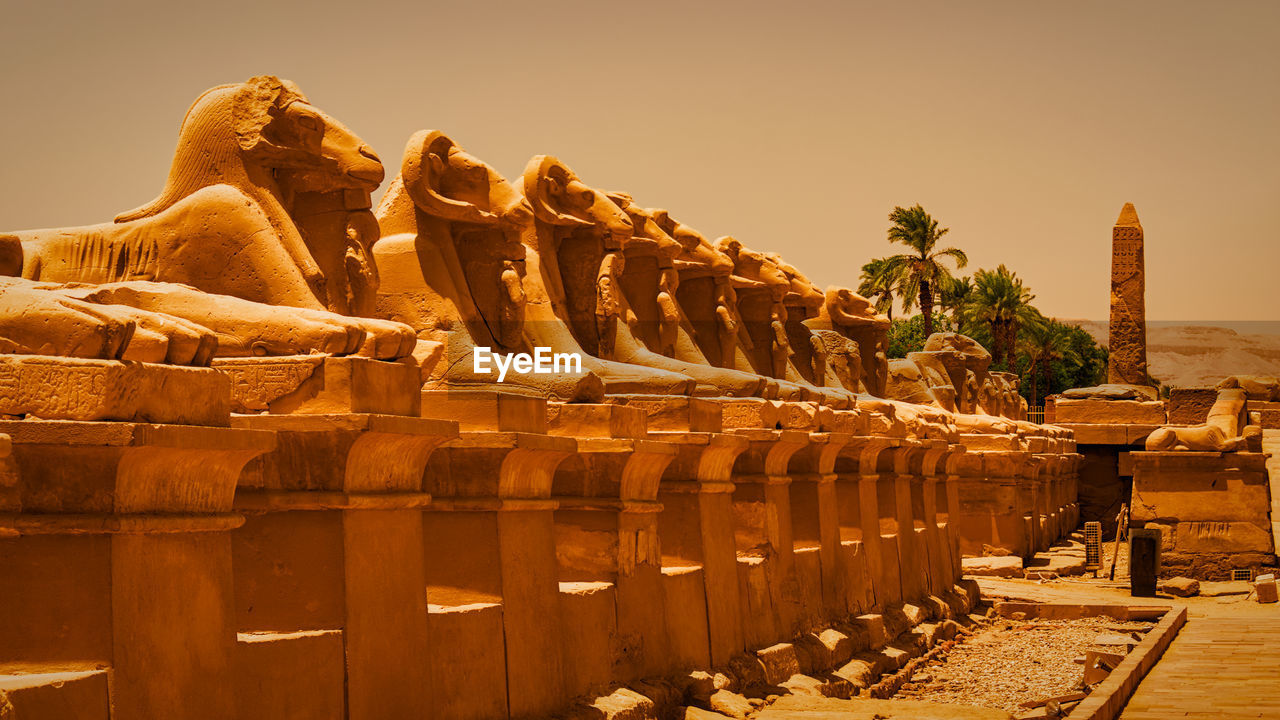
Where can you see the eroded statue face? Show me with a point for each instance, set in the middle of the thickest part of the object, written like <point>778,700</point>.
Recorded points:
<point>323,154</point>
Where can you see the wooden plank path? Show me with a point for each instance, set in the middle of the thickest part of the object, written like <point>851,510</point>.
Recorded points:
<point>1222,667</point>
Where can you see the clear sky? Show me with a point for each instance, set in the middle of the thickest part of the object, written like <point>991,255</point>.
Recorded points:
<point>1023,126</point>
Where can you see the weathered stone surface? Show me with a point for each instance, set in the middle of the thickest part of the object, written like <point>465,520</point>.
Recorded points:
<point>310,385</point>
<point>480,410</point>
<point>1127,337</point>
<point>996,566</point>
<point>1133,412</point>
<point>1181,586</point>
<point>54,388</point>
<point>861,672</point>
<point>1265,587</point>
<point>780,662</point>
<point>699,686</point>
<point>1190,406</point>
<point>621,704</point>
<point>731,704</point>
<point>1107,391</point>
<point>872,627</point>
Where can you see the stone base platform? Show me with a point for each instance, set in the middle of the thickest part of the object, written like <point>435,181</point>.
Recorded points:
<point>317,384</point>
<point>1213,510</point>
<point>57,388</point>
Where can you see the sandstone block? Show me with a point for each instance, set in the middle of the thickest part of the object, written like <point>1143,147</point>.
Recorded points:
<point>750,413</point>
<point>56,388</point>
<point>780,662</point>
<point>999,566</point>
<point>915,614</point>
<point>675,413</point>
<point>1190,406</point>
<point>837,643</point>
<point>861,672</point>
<point>621,704</point>
<point>1181,586</point>
<point>699,687</point>
<point>309,384</point>
<point>1126,412</point>
<point>731,704</point>
<point>596,420</point>
<point>871,626</point>
<point>799,415</point>
<point>1265,586</point>
<point>481,410</point>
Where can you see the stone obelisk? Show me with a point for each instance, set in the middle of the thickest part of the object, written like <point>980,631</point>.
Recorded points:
<point>1127,340</point>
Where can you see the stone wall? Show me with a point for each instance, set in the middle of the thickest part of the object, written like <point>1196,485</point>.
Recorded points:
<point>494,566</point>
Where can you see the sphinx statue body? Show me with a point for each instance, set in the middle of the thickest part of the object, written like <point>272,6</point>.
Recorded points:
<point>453,267</point>
<point>604,272</point>
<point>259,244</point>
<point>1225,428</point>
<point>845,314</point>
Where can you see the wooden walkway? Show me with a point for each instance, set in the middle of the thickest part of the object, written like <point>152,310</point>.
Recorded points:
<point>1216,668</point>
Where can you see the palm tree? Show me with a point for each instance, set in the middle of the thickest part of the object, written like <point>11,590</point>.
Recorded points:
<point>881,283</point>
<point>953,296</point>
<point>1044,343</point>
<point>921,270</point>
<point>1000,300</point>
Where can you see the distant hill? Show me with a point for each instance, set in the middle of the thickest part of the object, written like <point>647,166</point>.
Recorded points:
<point>1190,354</point>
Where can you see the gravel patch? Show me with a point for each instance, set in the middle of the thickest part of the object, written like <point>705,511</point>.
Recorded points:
<point>1011,662</point>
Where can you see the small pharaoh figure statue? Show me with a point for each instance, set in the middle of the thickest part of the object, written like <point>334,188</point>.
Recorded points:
<point>727,325</point>
<point>608,305</point>
<point>511,308</point>
<point>781,348</point>
<point>669,314</point>
<point>819,350</point>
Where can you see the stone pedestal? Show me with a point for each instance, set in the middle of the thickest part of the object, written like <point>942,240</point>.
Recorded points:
<point>335,543</point>
<point>667,413</point>
<point>815,522</point>
<point>764,537</point>
<point>607,541</point>
<point>58,388</point>
<point>319,385</point>
<point>1212,510</point>
<point>114,545</point>
<point>886,585</point>
<point>696,530</point>
<point>487,411</point>
<point>494,488</point>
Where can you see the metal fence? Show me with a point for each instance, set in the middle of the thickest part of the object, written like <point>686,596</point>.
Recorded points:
<point>1035,414</point>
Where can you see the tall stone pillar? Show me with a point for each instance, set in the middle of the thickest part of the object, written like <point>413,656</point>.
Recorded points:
<point>869,507</point>
<point>334,541</point>
<point>911,565</point>
<point>697,525</point>
<point>607,532</point>
<point>763,532</point>
<point>939,556</point>
<point>815,507</point>
<point>1127,336</point>
<point>115,550</point>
